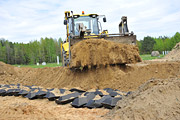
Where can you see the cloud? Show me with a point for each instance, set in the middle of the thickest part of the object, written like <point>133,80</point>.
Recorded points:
<point>23,21</point>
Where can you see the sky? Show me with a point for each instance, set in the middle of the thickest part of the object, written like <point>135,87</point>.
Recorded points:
<point>29,20</point>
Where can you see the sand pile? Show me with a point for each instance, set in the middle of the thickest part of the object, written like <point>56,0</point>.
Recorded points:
<point>6,69</point>
<point>96,52</point>
<point>158,99</point>
<point>125,78</point>
<point>7,73</point>
<point>174,54</point>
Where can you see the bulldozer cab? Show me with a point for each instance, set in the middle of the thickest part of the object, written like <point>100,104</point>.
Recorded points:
<point>82,26</point>
<point>90,24</point>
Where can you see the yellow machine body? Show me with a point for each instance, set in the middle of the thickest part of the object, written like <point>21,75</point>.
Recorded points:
<point>87,26</point>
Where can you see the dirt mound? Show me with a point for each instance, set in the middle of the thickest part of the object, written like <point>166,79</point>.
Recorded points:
<point>157,99</point>
<point>63,77</point>
<point>125,78</point>
<point>174,54</point>
<point>7,73</point>
<point>6,69</point>
<point>96,52</point>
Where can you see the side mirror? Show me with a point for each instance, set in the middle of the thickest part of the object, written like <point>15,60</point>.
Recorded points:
<point>65,22</point>
<point>104,19</point>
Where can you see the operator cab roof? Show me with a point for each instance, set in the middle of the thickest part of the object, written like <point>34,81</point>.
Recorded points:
<point>78,15</point>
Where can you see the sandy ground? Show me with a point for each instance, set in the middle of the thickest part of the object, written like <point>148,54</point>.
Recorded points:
<point>125,78</point>
<point>174,55</point>
<point>12,108</point>
<point>129,78</point>
<point>156,99</point>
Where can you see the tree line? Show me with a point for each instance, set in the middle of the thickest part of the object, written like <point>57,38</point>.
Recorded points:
<point>162,43</point>
<point>45,50</point>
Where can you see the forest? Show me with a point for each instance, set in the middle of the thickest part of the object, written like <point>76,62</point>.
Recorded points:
<point>47,49</point>
<point>162,43</point>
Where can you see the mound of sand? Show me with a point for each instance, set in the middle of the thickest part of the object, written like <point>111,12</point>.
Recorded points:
<point>100,52</point>
<point>158,99</point>
<point>125,78</point>
<point>174,54</point>
<point>6,69</point>
<point>7,73</point>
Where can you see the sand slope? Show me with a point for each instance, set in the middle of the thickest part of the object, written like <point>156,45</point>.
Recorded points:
<point>158,99</point>
<point>125,78</point>
<point>174,54</point>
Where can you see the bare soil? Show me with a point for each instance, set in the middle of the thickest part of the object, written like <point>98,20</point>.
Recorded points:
<point>157,99</point>
<point>13,108</point>
<point>126,78</point>
<point>174,55</point>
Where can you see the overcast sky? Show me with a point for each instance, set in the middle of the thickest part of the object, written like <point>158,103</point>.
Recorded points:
<point>28,20</point>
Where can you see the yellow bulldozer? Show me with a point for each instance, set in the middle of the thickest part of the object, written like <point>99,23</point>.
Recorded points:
<point>87,26</point>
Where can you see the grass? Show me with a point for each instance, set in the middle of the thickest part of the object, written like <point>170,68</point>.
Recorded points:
<point>144,57</point>
<point>148,57</point>
<point>40,66</point>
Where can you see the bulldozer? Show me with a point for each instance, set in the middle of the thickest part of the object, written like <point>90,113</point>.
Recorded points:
<point>88,26</point>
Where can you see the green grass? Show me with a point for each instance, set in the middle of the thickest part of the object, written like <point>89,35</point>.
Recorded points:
<point>40,66</point>
<point>144,57</point>
<point>148,57</point>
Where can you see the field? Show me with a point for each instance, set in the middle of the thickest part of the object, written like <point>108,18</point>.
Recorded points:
<point>148,57</point>
<point>40,66</point>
